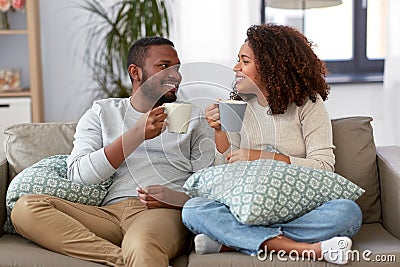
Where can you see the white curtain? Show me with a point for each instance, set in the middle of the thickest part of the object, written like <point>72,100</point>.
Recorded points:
<point>392,74</point>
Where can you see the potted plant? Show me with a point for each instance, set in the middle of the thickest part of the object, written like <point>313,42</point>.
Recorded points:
<point>111,32</point>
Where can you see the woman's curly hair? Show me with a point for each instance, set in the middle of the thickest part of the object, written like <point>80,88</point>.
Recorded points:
<point>287,65</point>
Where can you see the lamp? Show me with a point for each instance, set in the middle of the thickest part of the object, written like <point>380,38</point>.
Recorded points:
<point>302,4</point>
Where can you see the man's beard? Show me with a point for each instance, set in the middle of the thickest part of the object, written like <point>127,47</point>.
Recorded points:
<point>148,88</point>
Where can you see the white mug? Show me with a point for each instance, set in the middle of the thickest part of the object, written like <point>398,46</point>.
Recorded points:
<point>179,115</point>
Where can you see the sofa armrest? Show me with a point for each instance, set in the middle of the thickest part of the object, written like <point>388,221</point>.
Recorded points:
<point>3,190</point>
<point>388,158</point>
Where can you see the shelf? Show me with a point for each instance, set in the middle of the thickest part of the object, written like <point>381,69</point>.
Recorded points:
<point>27,27</point>
<point>15,93</point>
<point>11,32</point>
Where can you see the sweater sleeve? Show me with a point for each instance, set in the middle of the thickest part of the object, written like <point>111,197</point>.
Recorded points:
<point>88,163</point>
<point>234,144</point>
<point>317,134</point>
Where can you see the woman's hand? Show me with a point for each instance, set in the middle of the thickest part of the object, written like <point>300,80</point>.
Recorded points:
<point>158,196</point>
<point>212,116</point>
<point>244,154</point>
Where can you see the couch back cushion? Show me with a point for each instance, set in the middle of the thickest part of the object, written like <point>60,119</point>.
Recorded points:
<point>356,160</point>
<point>28,143</point>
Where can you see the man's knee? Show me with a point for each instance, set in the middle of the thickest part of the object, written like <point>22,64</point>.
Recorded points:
<point>144,249</point>
<point>23,209</point>
<point>157,236</point>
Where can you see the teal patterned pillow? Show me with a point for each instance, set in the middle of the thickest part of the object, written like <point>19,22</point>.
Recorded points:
<point>264,192</point>
<point>49,177</point>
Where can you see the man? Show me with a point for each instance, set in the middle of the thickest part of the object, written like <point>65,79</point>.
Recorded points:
<point>139,223</point>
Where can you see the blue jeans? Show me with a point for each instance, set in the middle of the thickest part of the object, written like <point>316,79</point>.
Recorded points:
<point>339,217</point>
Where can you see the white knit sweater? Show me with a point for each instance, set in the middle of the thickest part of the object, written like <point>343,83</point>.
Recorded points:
<point>302,133</point>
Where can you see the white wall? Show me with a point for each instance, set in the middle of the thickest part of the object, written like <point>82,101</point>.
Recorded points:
<point>67,80</point>
<point>360,100</point>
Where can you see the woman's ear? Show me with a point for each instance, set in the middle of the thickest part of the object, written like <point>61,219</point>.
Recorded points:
<point>135,72</point>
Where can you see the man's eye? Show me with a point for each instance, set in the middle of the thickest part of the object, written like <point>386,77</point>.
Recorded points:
<point>164,66</point>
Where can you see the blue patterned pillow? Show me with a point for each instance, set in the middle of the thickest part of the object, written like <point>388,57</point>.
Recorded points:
<point>49,177</point>
<point>265,192</point>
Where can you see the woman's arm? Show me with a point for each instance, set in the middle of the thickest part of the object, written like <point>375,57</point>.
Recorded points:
<point>317,134</point>
<point>221,141</point>
<point>244,154</point>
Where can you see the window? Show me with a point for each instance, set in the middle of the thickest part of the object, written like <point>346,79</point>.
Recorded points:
<point>349,37</point>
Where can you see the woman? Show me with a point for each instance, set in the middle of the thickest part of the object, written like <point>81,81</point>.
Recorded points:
<point>282,80</point>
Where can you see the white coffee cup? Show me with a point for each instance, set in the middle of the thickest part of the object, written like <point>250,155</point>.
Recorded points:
<point>178,116</point>
<point>231,114</point>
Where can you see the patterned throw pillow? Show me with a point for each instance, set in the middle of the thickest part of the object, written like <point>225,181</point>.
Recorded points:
<point>265,192</point>
<point>49,177</point>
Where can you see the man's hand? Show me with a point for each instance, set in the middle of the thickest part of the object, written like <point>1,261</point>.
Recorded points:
<point>158,196</point>
<point>153,122</point>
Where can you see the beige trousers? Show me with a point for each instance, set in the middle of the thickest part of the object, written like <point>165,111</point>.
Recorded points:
<point>122,234</point>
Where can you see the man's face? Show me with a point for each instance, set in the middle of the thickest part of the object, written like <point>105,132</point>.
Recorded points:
<point>161,77</point>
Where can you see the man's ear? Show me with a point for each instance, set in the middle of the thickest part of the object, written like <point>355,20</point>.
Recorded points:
<point>135,72</point>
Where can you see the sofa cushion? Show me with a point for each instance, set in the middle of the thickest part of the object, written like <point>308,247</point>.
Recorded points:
<point>356,160</point>
<point>264,192</point>
<point>372,246</point>
<point>49,177</point>
<point>35,255</point>
<point>27,143</point>
<point>18,251</point>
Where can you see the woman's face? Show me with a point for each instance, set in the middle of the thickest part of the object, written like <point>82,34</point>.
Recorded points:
<point>247,79</point>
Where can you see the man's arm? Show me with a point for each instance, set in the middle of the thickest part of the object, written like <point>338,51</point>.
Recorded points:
<point>148,126</point>
<point>90,162</point>
<point>87,162</point>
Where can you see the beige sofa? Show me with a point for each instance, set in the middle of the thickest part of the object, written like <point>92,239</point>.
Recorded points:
<point>377,171</point>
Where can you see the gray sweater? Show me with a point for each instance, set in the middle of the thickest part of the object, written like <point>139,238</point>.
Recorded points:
<point>302,133</point>
<point>168,159</point>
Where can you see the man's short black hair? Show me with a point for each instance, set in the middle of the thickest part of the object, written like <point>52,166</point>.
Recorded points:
<point>138,51</point>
